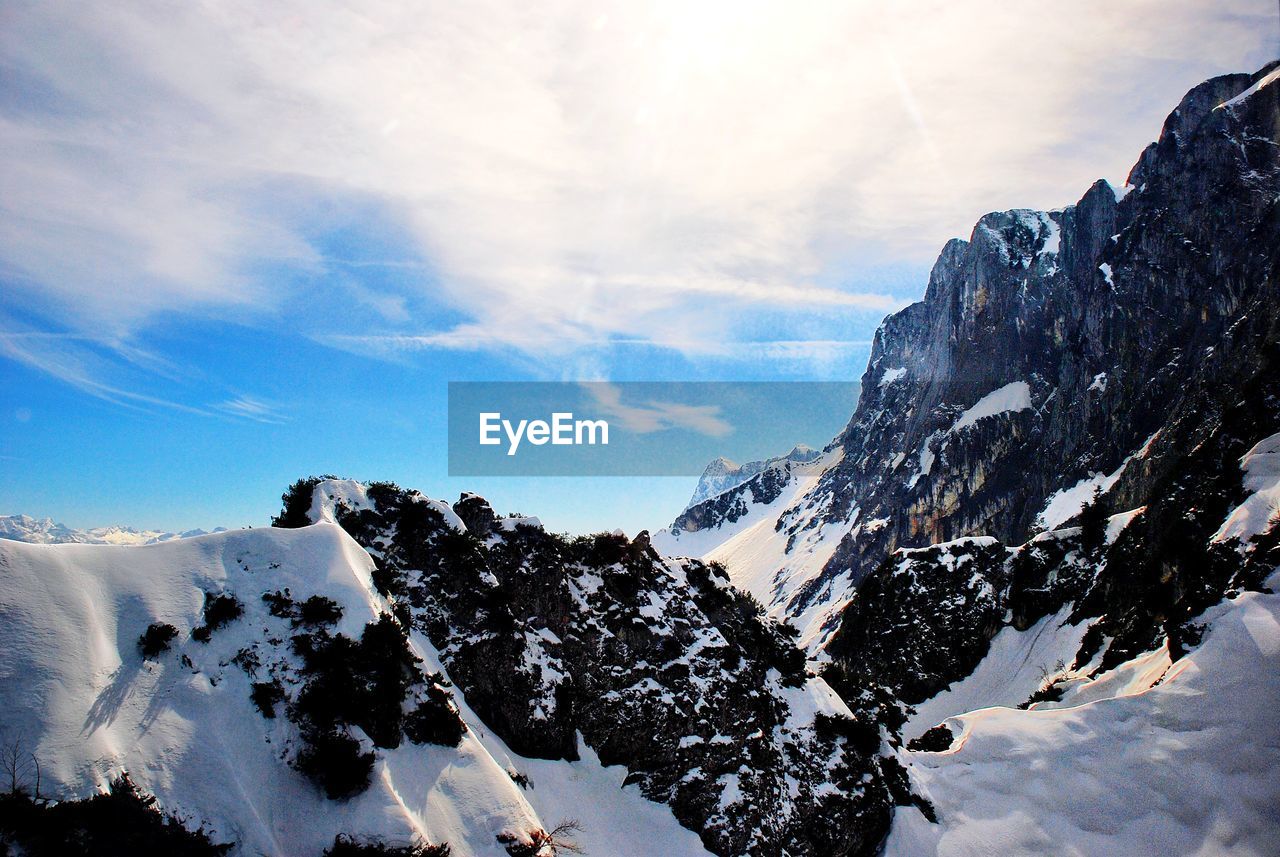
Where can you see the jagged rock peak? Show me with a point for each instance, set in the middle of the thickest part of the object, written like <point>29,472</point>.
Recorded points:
<point>1052,353</point>
<point>722,473</point>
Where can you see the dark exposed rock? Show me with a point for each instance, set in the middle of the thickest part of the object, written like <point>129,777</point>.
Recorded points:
<point>476,514</point>
<point>1105,355</point>
<point>1132,317</point>
<point>925,618</point>
<point>659,665</point>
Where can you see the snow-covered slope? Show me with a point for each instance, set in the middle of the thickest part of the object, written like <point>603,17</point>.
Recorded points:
<point>46,531</point>
<point>722,474</point>
<point>1260,509</point>
<point>78,694</point>
<point>768,558</point>
<point>1056,738</point>
<point>1150,758</point>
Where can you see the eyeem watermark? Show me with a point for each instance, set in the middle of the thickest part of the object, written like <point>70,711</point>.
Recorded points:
<point>563,430</point>
<point>632,428</point>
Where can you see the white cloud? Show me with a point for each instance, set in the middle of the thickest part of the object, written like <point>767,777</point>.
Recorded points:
<point>249,408</point>
<point>657,415</point>
<point>574,172</point>
<point>113,371</point>
<point>78,361</point>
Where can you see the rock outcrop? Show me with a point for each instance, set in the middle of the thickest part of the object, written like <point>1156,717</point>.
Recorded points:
<point>1057,352</point>
<point>655,664</point>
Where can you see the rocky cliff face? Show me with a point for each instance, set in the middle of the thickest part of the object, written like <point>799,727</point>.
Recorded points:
<point>1055,352</point>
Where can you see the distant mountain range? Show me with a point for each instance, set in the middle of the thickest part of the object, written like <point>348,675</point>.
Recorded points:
<point>46,531</point>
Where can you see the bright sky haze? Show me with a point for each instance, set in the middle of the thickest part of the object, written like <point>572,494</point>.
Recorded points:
<point>243,243</point>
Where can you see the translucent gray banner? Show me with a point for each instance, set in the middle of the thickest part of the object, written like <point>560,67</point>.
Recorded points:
<point>635,428</point>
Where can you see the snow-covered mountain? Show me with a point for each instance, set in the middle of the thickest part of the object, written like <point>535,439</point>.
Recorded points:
<point>1034,579</point>
<point>722,474</point>
<point>1053,353</point>
<point>46,531</point>
<point>383,664</point>
<point>1111,365</point>
<point>739,529</point>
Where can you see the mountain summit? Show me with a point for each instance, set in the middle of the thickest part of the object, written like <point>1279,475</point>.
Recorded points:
<point>722,474</point>
<point>1054,353</point>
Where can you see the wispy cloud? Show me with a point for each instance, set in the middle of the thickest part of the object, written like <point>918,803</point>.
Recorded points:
<point>73,358</point>
<point>101,369</point>
<point>656,415</point>
<point>475,338</point>
<point>251,409</point>
<point>577,174</point>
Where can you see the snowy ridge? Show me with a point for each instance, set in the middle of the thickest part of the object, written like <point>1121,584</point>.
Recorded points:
<point>657,664</point>
<point>722,475</point>
<point>185,728</point>
<point>1261,465</point>
<point>333,495</point>
<point>1264,82</point>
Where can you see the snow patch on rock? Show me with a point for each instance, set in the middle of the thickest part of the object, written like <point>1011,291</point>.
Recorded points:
<point>1007,399</point>
<point>892,375</point>
<point>1261,466</point>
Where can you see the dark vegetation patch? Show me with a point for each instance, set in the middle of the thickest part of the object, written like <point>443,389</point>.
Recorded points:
<point>936,740</point>
<point>363,683</point>
<point>280,604</point>
<point>1051,692</point>
<point>266,695</point>
<point>435,720</point>
<point>219,610</point>
<point>296,502</point>
<point>335,762</point>
<point>316,611</point>
<point>346,846</point>
<point>156,639</point>
<point>124,820</point>
<point>862,733</point>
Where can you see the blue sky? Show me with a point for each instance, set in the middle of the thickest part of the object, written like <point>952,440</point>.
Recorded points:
<point>238,247</point>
